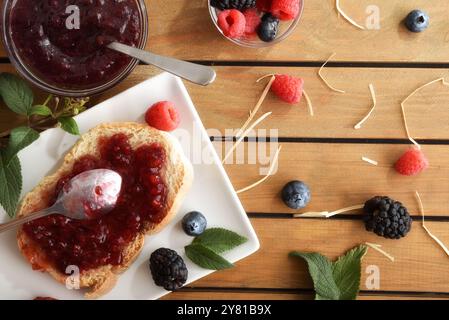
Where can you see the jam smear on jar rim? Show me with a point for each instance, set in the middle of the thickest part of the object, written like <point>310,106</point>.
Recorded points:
<point>88,244</point>
<point>74,58</point>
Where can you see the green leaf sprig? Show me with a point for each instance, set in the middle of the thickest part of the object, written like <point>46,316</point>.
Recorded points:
<point>205,249</point>
<point>10,184</point>
<point>339,280</point>
<point>19,98</point>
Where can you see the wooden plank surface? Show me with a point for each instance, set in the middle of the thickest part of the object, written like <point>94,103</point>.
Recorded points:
<point>208,294</point>
<point>338,178</point>
<point>184,29</point>
<point>331,167</point>
<point>420,265</point>
<point>336,114</point>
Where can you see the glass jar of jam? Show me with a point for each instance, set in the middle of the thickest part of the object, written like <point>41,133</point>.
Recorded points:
<point>61,45</point>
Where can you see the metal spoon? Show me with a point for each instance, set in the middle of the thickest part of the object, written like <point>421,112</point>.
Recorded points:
<point>87,196</point>
<point>192,72</point>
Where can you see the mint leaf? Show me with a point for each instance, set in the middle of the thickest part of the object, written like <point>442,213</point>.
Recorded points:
<point>321,271</point>
<point>205,249</point>
<point>10,184</point>
<point>206,258</point>
<point>220,240</point>
<point>16,93</point>
<point>339,280</point>
<point>347,272</point>
<point>19,139</point>
<point>41,110</point>
<point>69,125</point>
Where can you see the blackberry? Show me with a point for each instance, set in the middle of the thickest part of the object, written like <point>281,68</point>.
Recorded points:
<point>233,4</point>
<point>168,269</point>
<point>387,218</point>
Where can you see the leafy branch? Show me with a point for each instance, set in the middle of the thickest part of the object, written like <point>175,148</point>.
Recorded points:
<point>52,111</point>
<point>19,98</point>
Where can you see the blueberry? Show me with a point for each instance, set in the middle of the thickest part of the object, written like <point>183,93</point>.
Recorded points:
<point>296,194</point>
<point>268,28</point>
<point>417,21</point>
<point>194,223</point>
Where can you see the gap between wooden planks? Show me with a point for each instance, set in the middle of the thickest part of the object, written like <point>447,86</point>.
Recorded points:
<point>183,29</point>
<point>420,265</point>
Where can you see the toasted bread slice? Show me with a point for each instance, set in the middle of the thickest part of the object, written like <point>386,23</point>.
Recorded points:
<point>177,174</point>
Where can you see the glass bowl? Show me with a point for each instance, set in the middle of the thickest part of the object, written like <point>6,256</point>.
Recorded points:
<point>39,82</point>
<point>285,29</point>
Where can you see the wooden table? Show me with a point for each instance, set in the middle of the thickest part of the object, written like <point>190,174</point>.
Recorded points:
<point>325,151</point>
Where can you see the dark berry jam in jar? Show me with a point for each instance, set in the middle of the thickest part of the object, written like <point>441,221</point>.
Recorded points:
<point>88,244</point>
<point>60,45</point>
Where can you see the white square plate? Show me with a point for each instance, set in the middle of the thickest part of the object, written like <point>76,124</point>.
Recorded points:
<point>212,194</point>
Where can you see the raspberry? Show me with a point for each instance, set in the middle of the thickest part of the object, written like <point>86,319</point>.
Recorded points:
<point>252,21</point>
<point>264,5</point>
<point>412,162</point>
<point>288,88</point>
<point>232,23</point>
<point>163,116</point>
<point>285,9</point>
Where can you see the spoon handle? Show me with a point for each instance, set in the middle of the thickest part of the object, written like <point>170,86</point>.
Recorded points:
<point>19,221</point>
<point>192,72</point>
